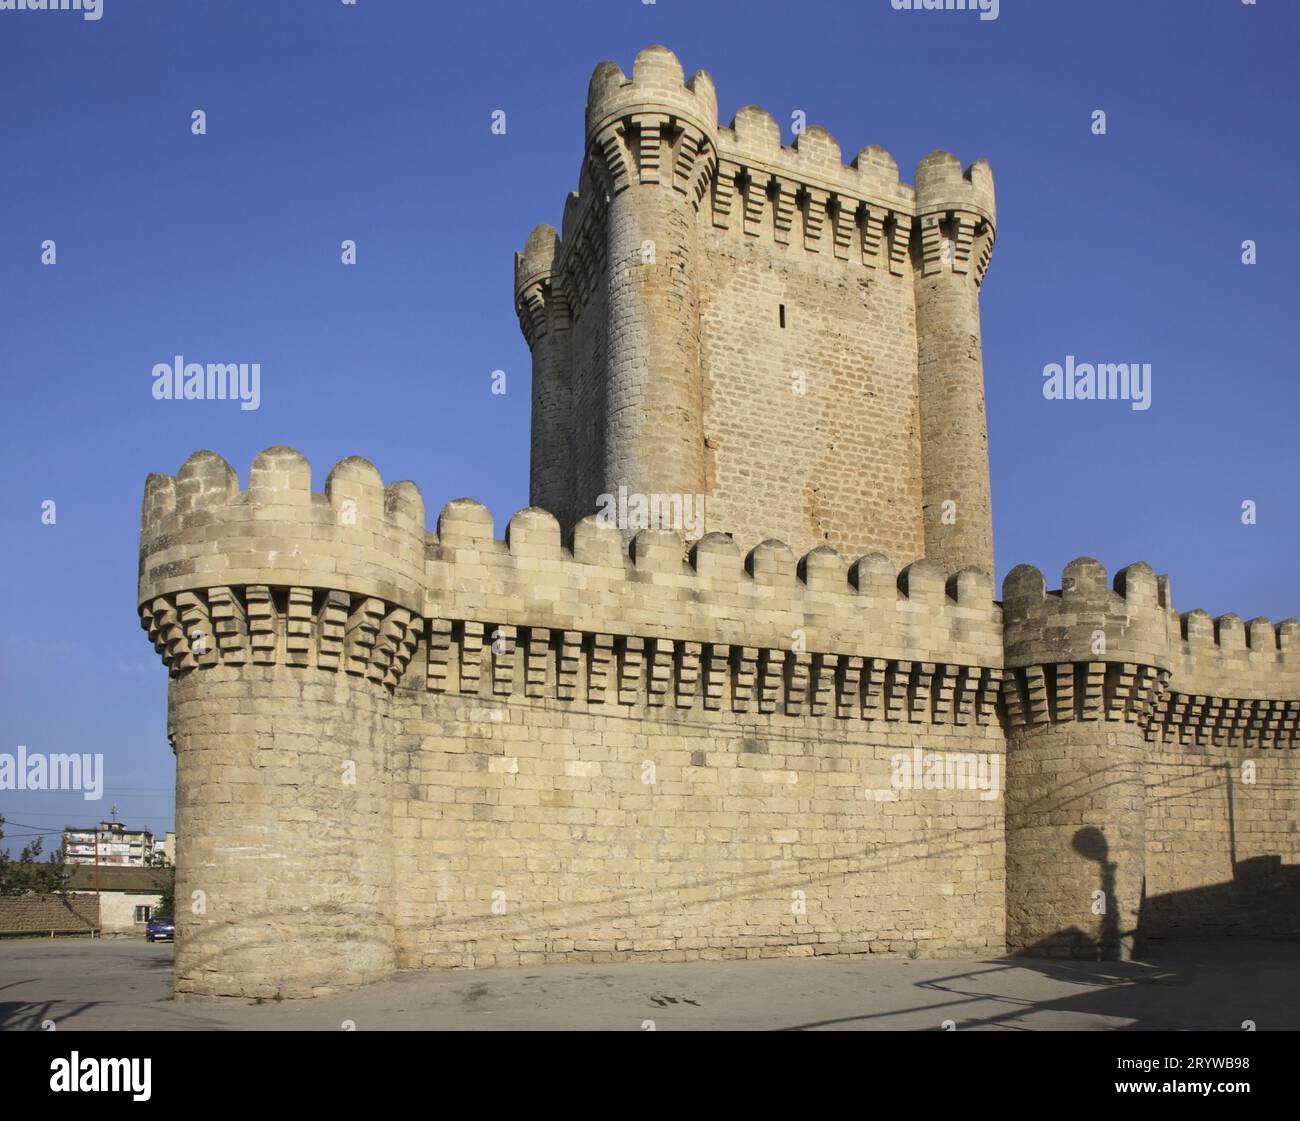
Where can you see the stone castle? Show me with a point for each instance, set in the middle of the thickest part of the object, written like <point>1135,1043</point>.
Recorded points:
<point>588,742</point>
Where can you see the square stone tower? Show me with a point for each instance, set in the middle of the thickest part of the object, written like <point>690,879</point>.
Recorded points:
<point>794,339</point>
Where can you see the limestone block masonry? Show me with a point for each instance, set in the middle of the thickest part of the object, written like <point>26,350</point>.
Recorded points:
<point>399,748</point>
<point>797,340</point>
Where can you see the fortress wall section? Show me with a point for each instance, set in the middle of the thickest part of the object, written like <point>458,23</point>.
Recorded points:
<point>621,754</point>
<point>397,748</point>
<point>1223,781</point>
<point>553,831</point>
<point>1085,665</point>
<point>400,748</point>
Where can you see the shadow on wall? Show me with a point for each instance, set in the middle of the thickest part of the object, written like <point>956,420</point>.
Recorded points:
<point>1262,900</point>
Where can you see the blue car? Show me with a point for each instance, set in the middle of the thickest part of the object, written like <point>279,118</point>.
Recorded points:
<point>160,930</point>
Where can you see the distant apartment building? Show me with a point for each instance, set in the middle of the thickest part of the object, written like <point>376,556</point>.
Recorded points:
<point>109,842</point>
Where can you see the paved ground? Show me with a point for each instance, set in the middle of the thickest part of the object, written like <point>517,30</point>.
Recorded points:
<point>120,984</point>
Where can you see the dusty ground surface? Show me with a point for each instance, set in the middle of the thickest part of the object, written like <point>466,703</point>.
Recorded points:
<point>124,985</point>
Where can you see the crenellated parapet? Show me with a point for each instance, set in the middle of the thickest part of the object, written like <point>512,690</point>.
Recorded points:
<point>652,128</point>
<point>657,128</point>
<point>348,580</point>
<point>956,216</point>
<point>1232,683</point>
<point>1090,652</point>
<point>539,301</point>
<point>804,194</point>
<point>768,633</point>
<point>1255,659</point>
<point>1087,651</point>
<point>277,574</point>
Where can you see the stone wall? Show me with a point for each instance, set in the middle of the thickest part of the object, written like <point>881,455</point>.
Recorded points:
<point>814,369</point>
<point>550,831</point>
<point>628,754</point>
<point>1222,843</point>
<point>1152,773</point>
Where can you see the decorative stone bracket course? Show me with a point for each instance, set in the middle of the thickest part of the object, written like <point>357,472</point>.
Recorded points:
<point>261,625</point>
<point>630,670</point>
<point>350,581</point>
<point>1225,721</point>
<point>1092,652</point>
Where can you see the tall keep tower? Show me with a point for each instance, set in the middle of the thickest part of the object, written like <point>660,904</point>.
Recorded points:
<point>792,338</point>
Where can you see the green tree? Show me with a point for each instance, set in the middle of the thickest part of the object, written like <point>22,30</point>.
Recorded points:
<point>166,908</point>
<point>28,873</point>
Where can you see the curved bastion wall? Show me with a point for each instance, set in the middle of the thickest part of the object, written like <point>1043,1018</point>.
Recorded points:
<point>1135,803</point>
<point>283,617</point>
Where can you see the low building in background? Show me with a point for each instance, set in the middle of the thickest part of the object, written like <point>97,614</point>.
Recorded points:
<point>128,897</point>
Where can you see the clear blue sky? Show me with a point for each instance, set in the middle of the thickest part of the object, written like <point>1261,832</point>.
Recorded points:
<point>371,121</point>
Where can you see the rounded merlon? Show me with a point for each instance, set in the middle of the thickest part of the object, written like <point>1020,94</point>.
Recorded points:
<point>537,261</point>
<point>534,532</point>
<point>942,185</point>
<point>356,537</point>
<point>657,84</point>
<point>464,522</point>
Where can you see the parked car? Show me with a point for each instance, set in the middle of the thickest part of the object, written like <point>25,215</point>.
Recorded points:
<point>160,930</point>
